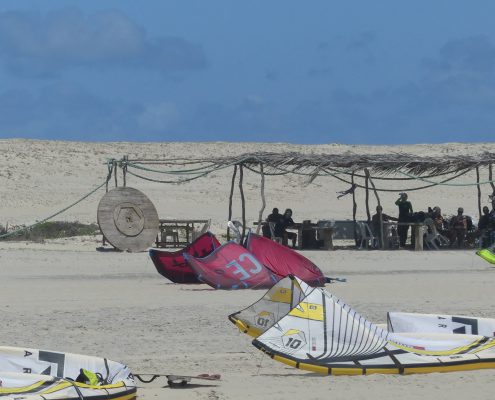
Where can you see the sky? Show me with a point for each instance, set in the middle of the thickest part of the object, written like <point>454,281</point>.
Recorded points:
<point>320,71</point>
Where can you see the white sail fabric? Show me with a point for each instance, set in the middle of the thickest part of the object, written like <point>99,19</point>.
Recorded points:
<point>323,334</point>
<point>321,327</point>
<point>276,303</point>
<point>440,323</point>
<point>49,374</point>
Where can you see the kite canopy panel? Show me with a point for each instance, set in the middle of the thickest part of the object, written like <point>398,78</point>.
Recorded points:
<point>436,323</point>
<point>37,374</point>
<point>231,266</point>
<point>323,334</point>
<point>487,255</point>
<point>284,261</point>
<point>174,267</point>
<point>276,303</point>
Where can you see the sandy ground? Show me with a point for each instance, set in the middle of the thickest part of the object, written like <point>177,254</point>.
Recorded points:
<point>68,297</point>
<point>63,295</point>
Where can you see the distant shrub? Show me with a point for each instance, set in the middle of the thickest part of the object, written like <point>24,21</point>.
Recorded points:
<point>54,230</point>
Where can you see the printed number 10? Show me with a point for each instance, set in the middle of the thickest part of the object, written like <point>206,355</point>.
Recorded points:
<point>293,343</point>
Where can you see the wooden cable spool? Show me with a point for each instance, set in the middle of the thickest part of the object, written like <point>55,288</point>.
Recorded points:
<point>128,219</point>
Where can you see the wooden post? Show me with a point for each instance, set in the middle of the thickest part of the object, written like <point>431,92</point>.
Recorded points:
<point>124,169</point>
<point>479,191</point>
<point>115,172</point>
<point>490,177</point>
<point>382,241</point>
<point>243,202</point>
<point>263,201</point>
<point>366,179</point>
<point>354,208</point>
<point>109,175</point>
<point>230,199</point>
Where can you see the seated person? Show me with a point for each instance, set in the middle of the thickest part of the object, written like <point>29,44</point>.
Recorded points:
<point>375,222</point>
<point>458,228</point>
<point>438,221</point>
<point>282,225</point>
<point>273,217</point>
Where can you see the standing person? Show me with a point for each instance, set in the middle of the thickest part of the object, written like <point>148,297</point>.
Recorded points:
<point>281,226</point>
<point>458,228</point>
<point>492,211</point>
<point>484,228</point>
<point>491,222</point>
<point>274,217</point>
<point>405,210</point>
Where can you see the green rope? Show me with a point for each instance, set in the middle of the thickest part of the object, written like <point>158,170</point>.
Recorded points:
<point>404,190</point>
<point>445,184</point>
<point>53,215</point>
<point>172,172</point>
<point>162,181</point>
<point>317,172</point>
<point>384,178</point>
<point>409,177</point>
<point>265,173</point>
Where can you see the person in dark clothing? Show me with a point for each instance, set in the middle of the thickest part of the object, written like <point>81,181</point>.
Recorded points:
<point>405,210</point>
<point>484,227</point>
<point>274,217</point>
<point>458,228</point>
<point>376,225</point>
<point>282,225</point>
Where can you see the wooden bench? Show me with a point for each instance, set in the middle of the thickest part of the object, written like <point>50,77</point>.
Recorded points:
<point>179,232</point>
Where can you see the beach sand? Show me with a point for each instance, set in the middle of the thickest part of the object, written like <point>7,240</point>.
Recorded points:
<point>64,295</point>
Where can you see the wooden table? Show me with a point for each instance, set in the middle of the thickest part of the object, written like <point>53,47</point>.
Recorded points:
<point>325,233</point>
<point>179,229</point>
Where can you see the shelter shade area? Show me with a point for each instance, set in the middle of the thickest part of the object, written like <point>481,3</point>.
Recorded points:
<point>371,174</point>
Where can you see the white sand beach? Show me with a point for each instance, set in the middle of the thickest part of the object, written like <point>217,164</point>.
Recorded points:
<point>64,295</point>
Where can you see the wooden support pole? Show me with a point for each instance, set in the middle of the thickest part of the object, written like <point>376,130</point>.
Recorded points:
<point>490,178</point>
<point>479,191</point>
<point>367,202</point>
<point>230,199</point>
<point>354,208</point>
<point>382,241</point>
<point>243,202</point>
<point>124,169</point>
<point>109,175</point>
<point>263,201</point>
<point>115,172</point>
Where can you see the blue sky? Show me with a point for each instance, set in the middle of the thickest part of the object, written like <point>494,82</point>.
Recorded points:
<point>322,71</point>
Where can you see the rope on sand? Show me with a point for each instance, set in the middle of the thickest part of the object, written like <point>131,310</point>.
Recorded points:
<point>26,228</point>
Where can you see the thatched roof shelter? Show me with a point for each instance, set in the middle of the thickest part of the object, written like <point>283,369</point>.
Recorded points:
<point>381,164</point>
<point>344,167</point>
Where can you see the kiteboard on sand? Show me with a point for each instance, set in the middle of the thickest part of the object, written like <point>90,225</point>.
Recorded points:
<point>177,380</point>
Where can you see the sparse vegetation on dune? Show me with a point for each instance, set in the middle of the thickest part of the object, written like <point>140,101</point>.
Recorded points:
<point>50,230</point>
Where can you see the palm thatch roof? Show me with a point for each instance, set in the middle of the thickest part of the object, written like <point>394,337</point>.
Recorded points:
<point>313,165</point>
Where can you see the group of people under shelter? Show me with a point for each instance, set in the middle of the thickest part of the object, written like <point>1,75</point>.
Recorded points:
<point>276,226</point>
<point>457,231</point>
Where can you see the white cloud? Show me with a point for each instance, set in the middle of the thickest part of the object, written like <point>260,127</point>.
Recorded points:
<point>37,45</point>
<point>158,117</point>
